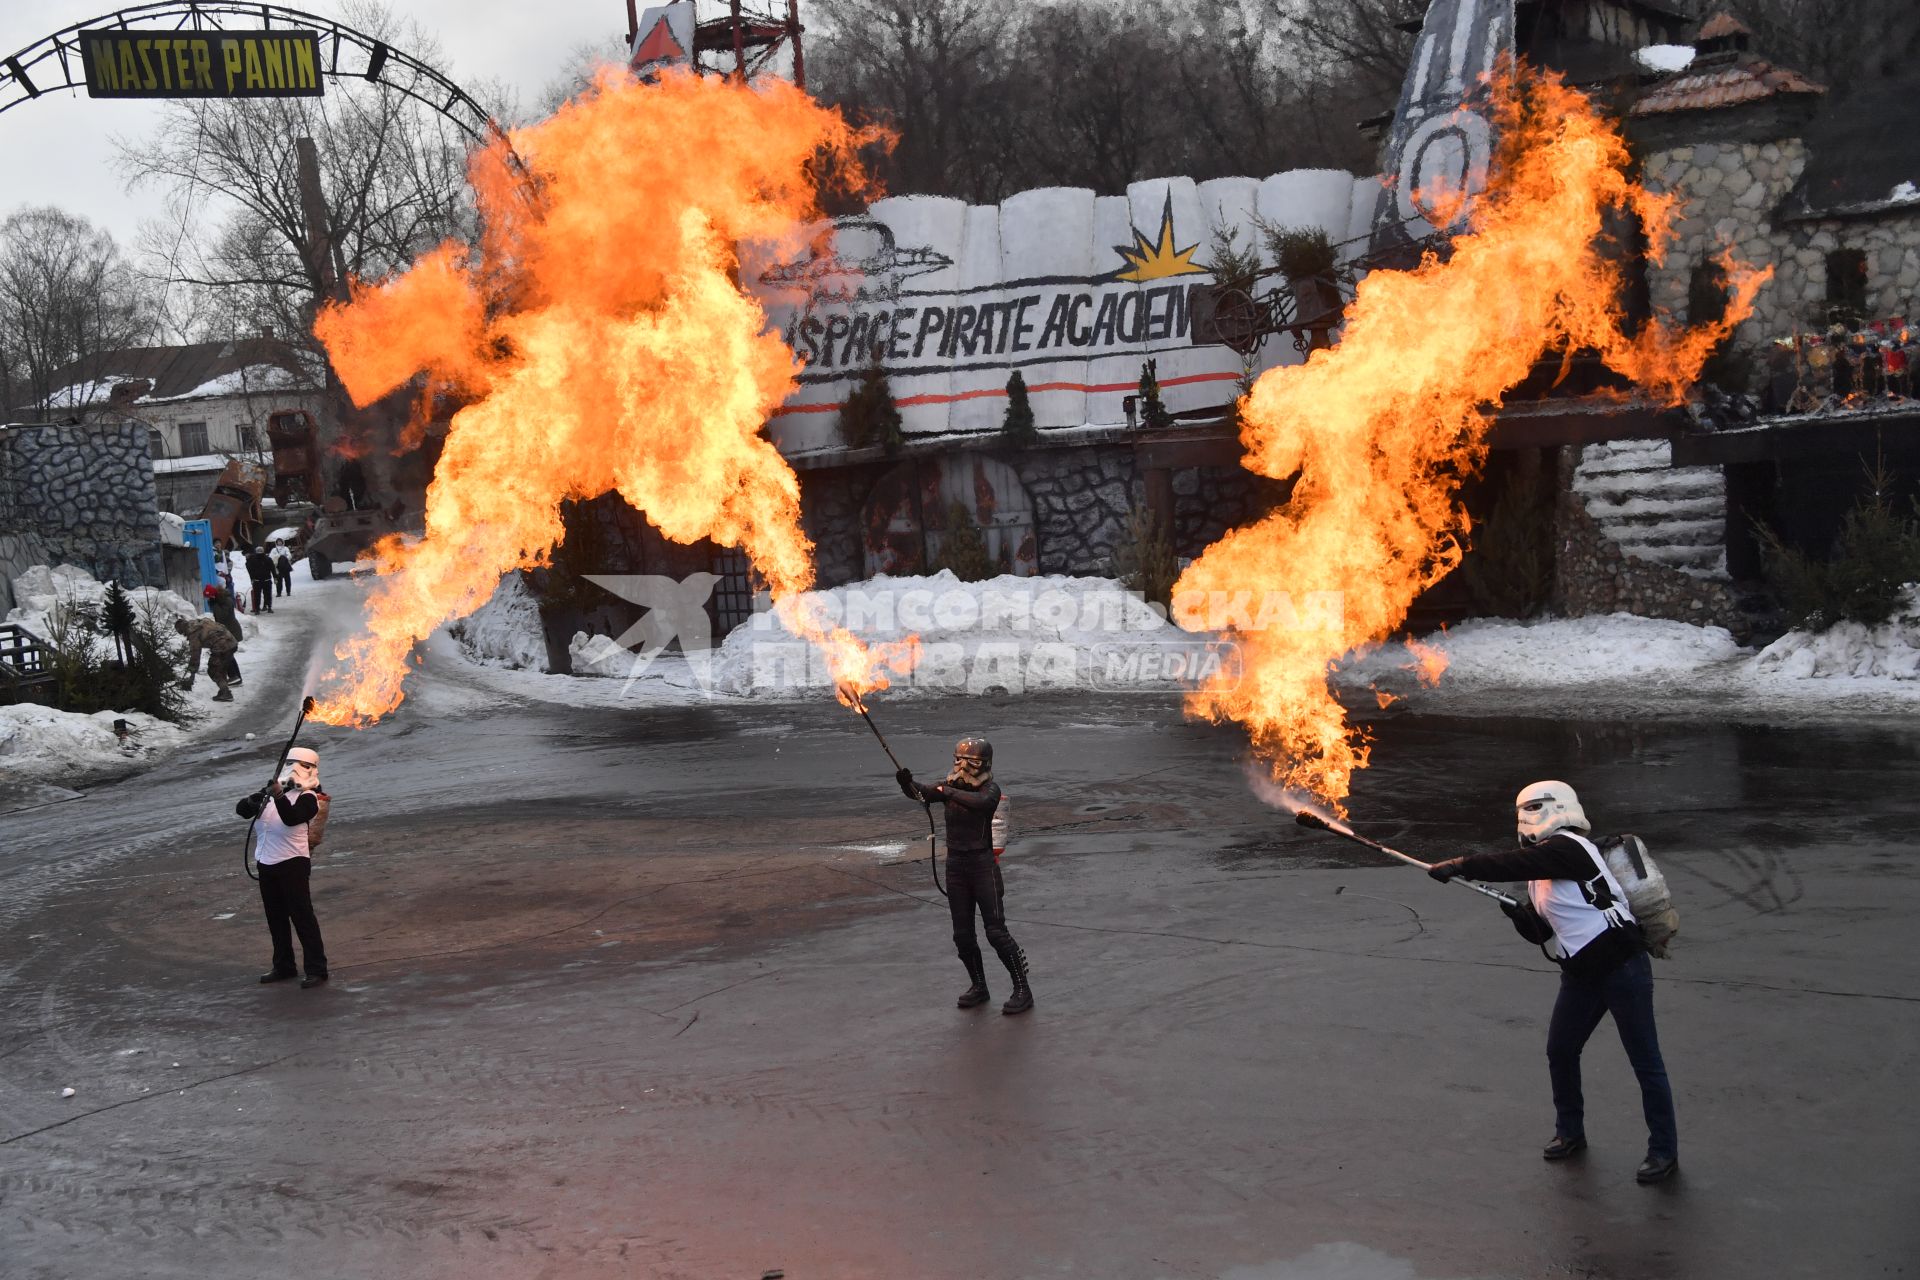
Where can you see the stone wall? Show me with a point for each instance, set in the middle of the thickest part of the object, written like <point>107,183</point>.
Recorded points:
<point>1082,496</point>
<point>1729,191</point>
<point>83,496</point>
<point>1593,575</point>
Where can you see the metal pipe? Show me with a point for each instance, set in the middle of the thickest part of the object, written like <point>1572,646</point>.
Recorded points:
<point>933,832</point>
<point>1308,818</point>
<point>246,846</point>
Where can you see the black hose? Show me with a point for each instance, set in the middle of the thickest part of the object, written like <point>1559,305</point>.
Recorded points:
<point>933,845</point>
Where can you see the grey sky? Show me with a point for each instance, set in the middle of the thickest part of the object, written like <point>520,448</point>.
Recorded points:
<point>58,150</point>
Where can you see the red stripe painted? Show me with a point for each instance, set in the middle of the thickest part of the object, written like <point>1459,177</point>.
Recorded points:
<point>1035,389</point>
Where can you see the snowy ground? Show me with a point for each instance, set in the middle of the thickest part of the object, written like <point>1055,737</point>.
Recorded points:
<point>1006,636</point>
<point>1026,635</point>
<point>39,744</point>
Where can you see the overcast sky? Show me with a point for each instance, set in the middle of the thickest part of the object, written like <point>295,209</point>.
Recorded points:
<point>58,149</point>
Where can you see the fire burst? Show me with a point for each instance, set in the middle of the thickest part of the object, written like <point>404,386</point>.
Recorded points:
<point>1383,427</point>
<point>604,346</point>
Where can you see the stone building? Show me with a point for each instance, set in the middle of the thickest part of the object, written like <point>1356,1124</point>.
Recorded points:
<point>1765,166</point>
<point>80,495</point>
<point>1822,187</point>
<point>201,404</point>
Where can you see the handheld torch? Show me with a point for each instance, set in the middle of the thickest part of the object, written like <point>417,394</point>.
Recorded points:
<point>246,848</point>
<point>1308,818</point>
<point>852,698</point>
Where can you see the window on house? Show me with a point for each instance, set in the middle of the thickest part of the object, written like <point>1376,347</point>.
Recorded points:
<point>249,440</point>
<point>1847,284</point>
<point>1707,293</point>
<point>156,445</point>
<point>193,439</point>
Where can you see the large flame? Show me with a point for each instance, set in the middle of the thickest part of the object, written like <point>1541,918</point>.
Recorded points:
<point>1383,427</point>
<point>605,346</point>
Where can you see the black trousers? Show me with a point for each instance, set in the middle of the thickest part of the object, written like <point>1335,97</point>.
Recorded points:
<point>263,595</point>
<point>289,906</point>
<point>282,581</point>
<point>973,881</point>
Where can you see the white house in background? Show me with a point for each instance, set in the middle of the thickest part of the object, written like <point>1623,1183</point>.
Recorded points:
<point>203,404</point>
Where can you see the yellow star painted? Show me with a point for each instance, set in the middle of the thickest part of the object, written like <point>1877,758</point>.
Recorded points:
<point>1149,261</point>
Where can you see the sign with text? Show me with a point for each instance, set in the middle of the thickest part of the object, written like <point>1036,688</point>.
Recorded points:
<point>201,64</point>
<point>1074,291</point>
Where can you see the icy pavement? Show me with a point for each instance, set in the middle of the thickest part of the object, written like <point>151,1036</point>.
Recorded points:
<point>625,994</point>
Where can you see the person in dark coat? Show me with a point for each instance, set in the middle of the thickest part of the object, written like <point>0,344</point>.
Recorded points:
<point>1603,965</point>
<point>970,798</point>
<point>220,604</point>
<point>260,569</point>
<point>282,570</point>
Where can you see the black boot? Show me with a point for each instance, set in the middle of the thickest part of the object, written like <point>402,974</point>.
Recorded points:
<point>1022,998</point>
<point>977,993</point>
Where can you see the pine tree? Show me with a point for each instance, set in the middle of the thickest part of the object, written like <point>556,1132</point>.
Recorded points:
<point>116,619</point>
<point>1018,429</point>
<point>964,548</point>
<point>870,416</point>
<point>1153,413</point>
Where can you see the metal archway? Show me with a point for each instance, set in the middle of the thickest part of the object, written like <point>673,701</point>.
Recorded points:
<point>53,64</point>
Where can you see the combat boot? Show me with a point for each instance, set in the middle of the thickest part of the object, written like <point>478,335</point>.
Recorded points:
<point>1022,998</point>
<point>977,993</point>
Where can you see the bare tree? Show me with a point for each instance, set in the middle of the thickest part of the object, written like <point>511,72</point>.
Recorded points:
<point>1835,41</point>
<point>394,173</point>
<point>66,292</point>
<point>937,71</point>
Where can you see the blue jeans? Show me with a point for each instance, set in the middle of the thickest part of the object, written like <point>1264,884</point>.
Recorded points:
<point>1626,993</point>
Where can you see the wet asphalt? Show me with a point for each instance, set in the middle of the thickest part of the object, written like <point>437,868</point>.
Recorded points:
<point>669,994</point>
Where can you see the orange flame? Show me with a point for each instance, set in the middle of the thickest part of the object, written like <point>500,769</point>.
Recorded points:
<point>1384,426</point>
<point>605,347</point>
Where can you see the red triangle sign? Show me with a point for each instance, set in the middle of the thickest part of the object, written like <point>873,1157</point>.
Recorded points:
<point>658,46</point>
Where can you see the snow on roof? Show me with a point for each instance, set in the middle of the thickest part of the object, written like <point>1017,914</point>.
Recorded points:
<point>186,466</point>
<point>1664,57</point>
<point>252,379</point>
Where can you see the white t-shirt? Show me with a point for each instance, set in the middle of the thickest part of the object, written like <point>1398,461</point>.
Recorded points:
<point>1577,921</point>
<point>277,841</point>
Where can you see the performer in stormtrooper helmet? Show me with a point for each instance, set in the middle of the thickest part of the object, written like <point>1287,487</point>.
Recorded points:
<point>1603,964</point>
<point>1546,807</point>
<point>970,798</point>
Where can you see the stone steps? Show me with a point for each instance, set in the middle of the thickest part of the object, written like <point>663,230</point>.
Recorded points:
<point>1653,510</point>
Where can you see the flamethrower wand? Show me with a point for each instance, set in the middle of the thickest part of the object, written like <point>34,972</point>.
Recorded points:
<point>854,700</point>
<point>1308,818</point>
<point>246,848</point>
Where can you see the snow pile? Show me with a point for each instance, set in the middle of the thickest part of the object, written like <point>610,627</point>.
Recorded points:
<point>1494,653</point>
<point>1849,651</point>
<point>1905,193</point>
<point>40,591</point>
<point>1007,634</point>
<point>600,656</point>
<point>1668,58</point>
<point>505,631</point>
<point>37,741</point>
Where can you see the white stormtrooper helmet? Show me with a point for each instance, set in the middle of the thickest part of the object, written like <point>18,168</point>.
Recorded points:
<point>1546,807</point>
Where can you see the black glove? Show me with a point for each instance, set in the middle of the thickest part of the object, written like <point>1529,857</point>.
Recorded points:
<point>1445,871</point>
<point>905,778</point>
<point>250,806</point>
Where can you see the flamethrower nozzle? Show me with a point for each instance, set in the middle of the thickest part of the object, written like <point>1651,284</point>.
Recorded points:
<point>306,705</point>
<point>1308,818</point>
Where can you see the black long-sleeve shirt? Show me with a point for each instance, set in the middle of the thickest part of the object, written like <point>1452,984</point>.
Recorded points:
<point>1558,857</point>
<point>969,813</point>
